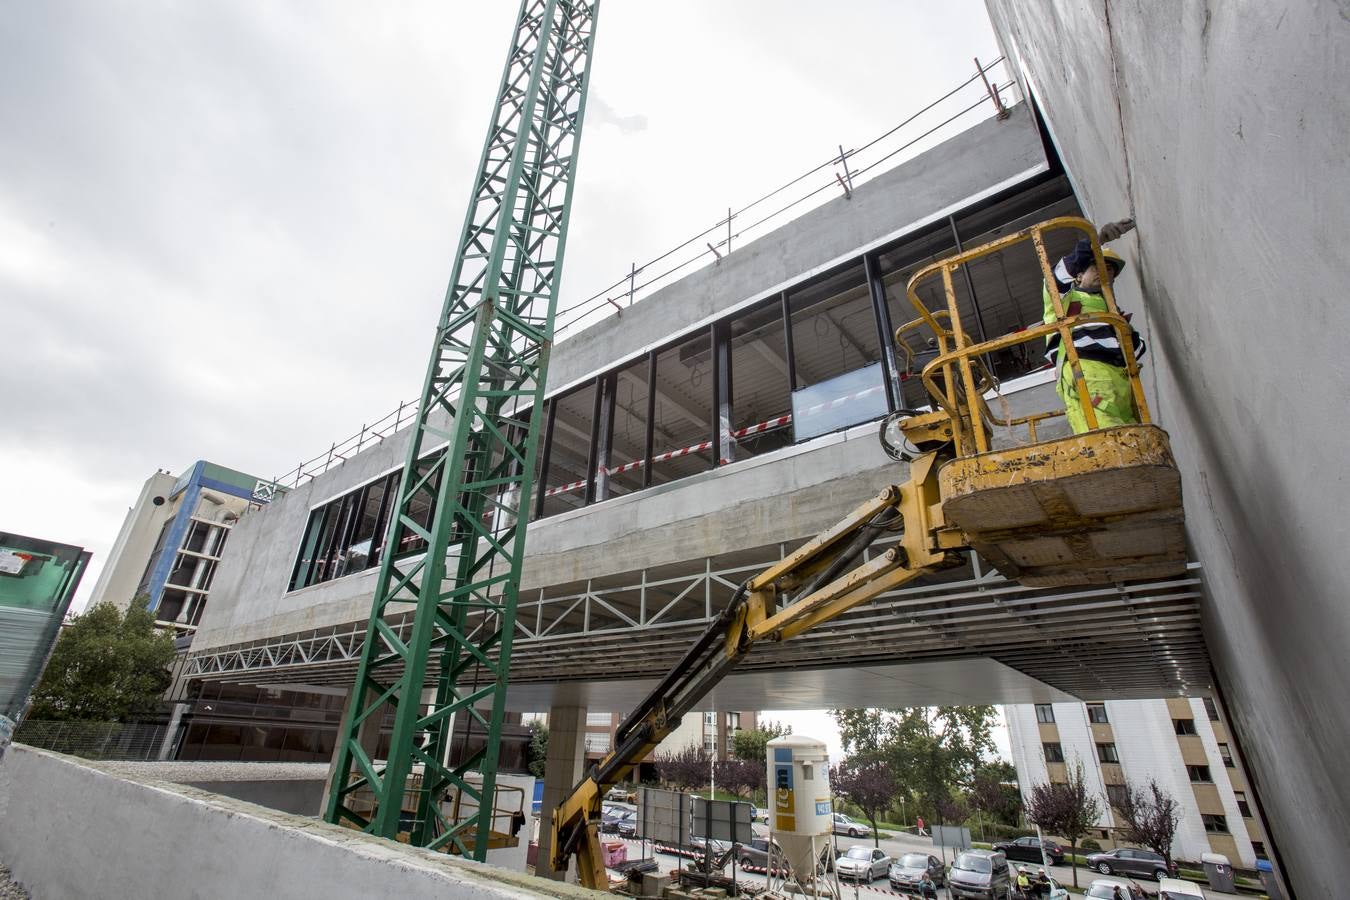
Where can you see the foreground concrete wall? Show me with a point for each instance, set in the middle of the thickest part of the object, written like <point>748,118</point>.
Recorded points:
<point>74,830</point>
<point>1222,128</point>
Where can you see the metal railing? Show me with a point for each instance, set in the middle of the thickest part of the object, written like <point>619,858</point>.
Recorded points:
<point>96,740</point>
<point>846,170</point>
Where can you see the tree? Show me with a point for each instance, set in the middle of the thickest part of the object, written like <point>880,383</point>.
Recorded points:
<point>993,794</point>
<point>684,769</point>
<point>1065,809</point>
<point>868,784</point>
<point>1151,816</point>
<point>751,744</point>
<point>106,667</point>
<point>931,751</point>
<point>739,776</point>
<point>537,752</point>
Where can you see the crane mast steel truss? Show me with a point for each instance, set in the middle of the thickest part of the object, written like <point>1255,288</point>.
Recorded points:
<point>471,461</point>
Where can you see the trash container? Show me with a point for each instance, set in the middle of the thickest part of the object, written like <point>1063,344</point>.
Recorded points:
<point>1268,879</point>
<point>1219,871</point>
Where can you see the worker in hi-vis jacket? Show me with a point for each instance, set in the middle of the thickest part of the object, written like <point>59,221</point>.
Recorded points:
<point>1099,352</point>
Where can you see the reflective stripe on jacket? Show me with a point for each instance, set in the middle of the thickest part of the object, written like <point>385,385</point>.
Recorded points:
<point>1096,340</point>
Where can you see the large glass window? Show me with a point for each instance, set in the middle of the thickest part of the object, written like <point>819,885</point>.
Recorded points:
<point>347,534</point>
<point>569,454</point>
<point>839,374</point>
<point>627,465</point>
<point>760,395</point>
<point>682,410</point>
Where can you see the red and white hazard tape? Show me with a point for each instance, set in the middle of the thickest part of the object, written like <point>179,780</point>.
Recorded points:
<point>757,428</point>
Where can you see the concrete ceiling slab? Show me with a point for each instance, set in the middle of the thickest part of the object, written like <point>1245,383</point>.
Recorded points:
<point>945,682</point>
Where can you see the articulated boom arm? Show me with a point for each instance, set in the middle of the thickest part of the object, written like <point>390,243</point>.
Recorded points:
<point>816,583</point>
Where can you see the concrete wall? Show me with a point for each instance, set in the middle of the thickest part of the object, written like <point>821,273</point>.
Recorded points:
<point>1221,128</point>
<point>249,599</point>
<point>74,830</point>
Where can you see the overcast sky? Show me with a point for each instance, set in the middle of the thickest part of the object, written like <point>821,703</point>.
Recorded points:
<point>226,226</point>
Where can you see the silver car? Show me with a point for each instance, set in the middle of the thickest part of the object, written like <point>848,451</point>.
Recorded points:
<point>851,827</point>
<point>907,871</point>
<point>865,864</point>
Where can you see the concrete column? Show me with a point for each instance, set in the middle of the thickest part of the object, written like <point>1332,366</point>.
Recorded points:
<point>562,770</point>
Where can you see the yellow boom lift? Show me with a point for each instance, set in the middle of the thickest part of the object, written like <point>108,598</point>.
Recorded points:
<point>1103,506</point>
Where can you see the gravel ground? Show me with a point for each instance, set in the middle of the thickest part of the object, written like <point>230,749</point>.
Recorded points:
<point>191,771</point>
<point>9,888</point>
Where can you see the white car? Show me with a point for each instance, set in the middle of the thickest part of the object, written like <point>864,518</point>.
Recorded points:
<point>865,864</point>
<point>1057,890</point>
<point>1176,889</point>
<point>1105,889</point>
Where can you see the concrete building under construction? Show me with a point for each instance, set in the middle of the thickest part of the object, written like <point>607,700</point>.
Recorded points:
<point>726,419</point>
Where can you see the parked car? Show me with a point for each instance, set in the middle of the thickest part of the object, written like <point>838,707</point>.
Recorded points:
<point>756,853</point>
<point>1176,889</point>
<point>865,864</point>
<point>981,875</point>
<point>1029,848</point>
<point>907,871</point>
<point>1105,889</point>
<point>1057,891</point>
<point>612,821</point>
<point>620,795</point>
<point>1132,861</point>
<point>851,827</point>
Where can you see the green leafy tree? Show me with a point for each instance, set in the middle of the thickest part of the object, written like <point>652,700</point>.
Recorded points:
<point>106,667</point>
<point>933,752</point>
<point>751,744</point>
<point>1066,809</point>
<point>538,749</point>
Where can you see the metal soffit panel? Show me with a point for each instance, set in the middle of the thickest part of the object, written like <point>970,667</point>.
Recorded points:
<point>1122,641</point>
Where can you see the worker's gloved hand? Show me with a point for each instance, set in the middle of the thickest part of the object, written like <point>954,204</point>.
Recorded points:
<point>1112,230</point>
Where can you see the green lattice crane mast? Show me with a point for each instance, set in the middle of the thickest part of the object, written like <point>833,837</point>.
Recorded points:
<point>447,586</point>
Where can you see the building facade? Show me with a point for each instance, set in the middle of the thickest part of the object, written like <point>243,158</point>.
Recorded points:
<point>172,539</point>
<point>1183,744</point>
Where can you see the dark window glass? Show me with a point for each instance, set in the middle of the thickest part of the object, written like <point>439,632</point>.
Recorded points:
<point>1184,726</point>
<point>1045,713</point>
<point>569,454</point>
<point>683,410</point>
<point>308,548</point>
<point>361,542</point>
<point>1053,753</point>
<point>761,400</point>
<point>1226,755</point>
<point>1211,709</point>
<point>1259,848</point>
<point>1199,774</point>
<point>1115,795</point>
<point>1243,807</point>
<point>1107,753</point>
<point>628,437</point>
<point>1097,713</point>
<point>421,508</point>
<point>1215,824</point>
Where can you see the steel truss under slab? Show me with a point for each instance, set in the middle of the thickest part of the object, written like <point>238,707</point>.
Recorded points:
<point>1120,641</point>
<point>487,373</point>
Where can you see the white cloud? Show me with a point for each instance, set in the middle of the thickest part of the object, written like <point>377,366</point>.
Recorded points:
<point>225,227</point>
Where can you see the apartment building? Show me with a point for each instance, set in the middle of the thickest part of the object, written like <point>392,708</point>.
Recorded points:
<point>1182,743</point>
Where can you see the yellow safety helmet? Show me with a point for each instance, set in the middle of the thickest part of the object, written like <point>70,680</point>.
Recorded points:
<point>1114,260</point>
